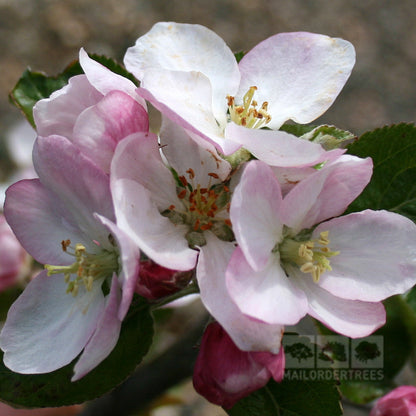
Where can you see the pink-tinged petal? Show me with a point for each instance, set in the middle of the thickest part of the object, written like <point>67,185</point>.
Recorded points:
<point>184,153</point>
<point>186,47</point>
<point>78,183</point>
<point>247,333</point>
<point>377,256</point>
<point>327,193</point>
<point>267,295</point>
<point>254,213</point>
<point>129,258</point>
<point>105,336</point>
<point>352,318</point>
<point>299,74</point>
<point>40,222</point>
<point>58,113</point>
<point>105,80</point>
<point>99,128</point>
<point>278,148</point>
<point>46,328</point>
<point>138,158</point>
<point>161,240</point>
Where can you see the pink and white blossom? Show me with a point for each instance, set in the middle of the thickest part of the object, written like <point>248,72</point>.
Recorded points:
<point>192,76</point>
<point>224,374</point>
<point>94,111</point>
<point>339,271</point>
<point>65,219</point>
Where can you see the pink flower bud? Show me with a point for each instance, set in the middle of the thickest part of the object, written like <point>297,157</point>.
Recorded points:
<point>156,281</point>
<point>13,258</point>
<point>224,374</point>
<point>399,402</point>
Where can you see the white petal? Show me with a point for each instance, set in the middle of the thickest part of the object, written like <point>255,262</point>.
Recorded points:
<point>104,80</point>
<point>46,328</point>
<point>105,336</point>
<point>182,153</point>
<point>278,148</point>
<point>247,333</point>
<point>299,74</point>
<point>254,213</point>
<point>267,295</point>
<point>161,240</point>
<point>138,158</point>
<point>186,47</point>
<point>352,318</point>
<point>377,255</point>
<point>326,193</point>
<point>58,113</point>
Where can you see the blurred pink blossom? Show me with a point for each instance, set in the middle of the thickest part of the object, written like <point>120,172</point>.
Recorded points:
<point>399,402</point>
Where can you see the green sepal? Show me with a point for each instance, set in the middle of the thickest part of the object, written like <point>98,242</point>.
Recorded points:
<point>330,137</point>
<point>56,389</point>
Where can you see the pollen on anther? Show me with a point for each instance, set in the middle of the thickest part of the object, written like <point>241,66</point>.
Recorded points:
<point>213,175</point>
<point>183,180</point>
<point>65,244</point>
<point>191,173</point>
<point>182,194</point>
<point>171,207</point>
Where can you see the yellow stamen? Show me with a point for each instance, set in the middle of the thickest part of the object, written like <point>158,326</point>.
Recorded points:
<point>248,115</point>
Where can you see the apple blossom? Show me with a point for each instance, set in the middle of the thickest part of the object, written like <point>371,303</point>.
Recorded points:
<point>190,75</point>
<point>176,210</point>
<point>224,374</point>
<point>290,263</point>
<point>399,402</point>
<point>167,208</point>
<point>65,219</point>
<point>95,111</point>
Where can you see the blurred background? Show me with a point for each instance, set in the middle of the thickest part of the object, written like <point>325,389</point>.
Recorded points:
<point>46,35</point>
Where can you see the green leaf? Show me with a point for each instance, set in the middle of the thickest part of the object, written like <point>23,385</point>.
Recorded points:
<point>393,184</point>
<point>397,348</point>
<point>291,398</point>
<point>56,389</point>
<point>34,86</point>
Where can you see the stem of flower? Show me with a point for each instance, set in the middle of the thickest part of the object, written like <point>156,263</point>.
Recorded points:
<point>190,289</point>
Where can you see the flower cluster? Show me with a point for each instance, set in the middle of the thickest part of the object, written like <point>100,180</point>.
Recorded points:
<point>222,195</point>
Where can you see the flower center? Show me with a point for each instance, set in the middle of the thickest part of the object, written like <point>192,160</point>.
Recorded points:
<point>312,256</point>
<point>203,208</point>
<point>87,267</point>
<point>248,114</point>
